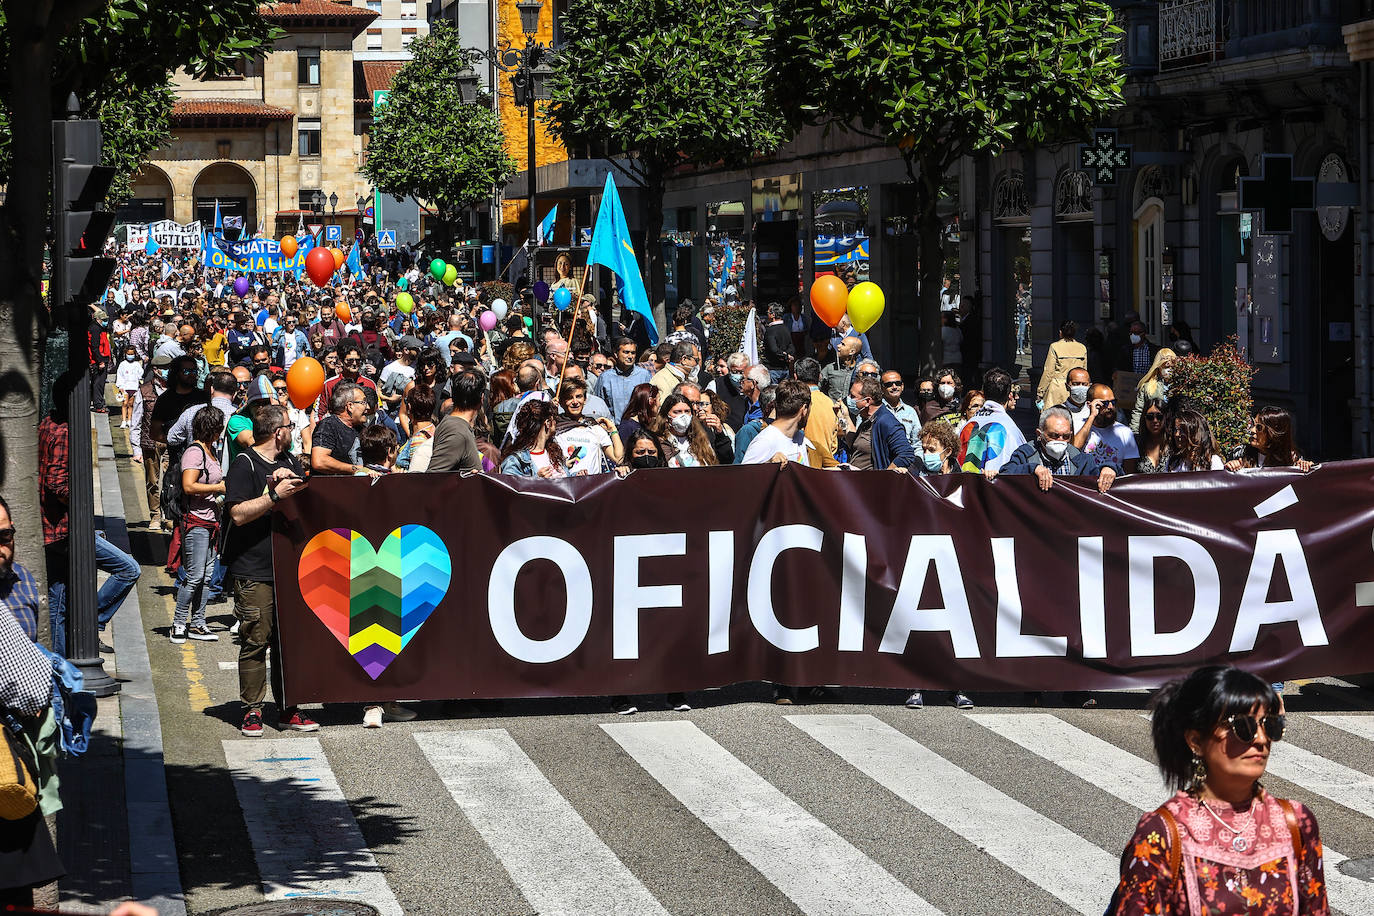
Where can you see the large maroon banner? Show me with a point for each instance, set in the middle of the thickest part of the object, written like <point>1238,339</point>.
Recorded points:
<point>434,586</point>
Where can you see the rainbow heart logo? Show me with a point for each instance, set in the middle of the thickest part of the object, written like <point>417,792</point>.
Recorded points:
<point>374,601</point>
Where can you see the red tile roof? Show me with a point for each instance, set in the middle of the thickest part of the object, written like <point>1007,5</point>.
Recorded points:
<point>225,112</point>
<point>371,75</point>
<point>317,12</point>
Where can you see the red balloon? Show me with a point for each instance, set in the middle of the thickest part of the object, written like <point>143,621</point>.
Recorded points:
<point>319,266</point>
<point>829,298</point>
<point>304,381</point>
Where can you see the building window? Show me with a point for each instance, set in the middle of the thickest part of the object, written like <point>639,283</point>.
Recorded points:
<point>308,200</point>
<point>308,137</point>
<point>309,59</point>
<point>375,6</point>
<point>407,36</point>
<point>374,39</point>
<point>408,9</point>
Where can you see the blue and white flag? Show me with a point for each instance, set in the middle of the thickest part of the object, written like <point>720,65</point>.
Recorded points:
<point>727,264</point>
<point>545,236</point>
<point>235,223</point>
<point>151,247</point>
<point>354,261</point>
<point>611,248</point>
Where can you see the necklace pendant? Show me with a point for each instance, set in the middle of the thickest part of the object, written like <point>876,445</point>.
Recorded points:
<point>1239,844</point>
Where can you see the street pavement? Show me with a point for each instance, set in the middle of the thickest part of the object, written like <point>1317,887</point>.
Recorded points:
<point>853,805</point>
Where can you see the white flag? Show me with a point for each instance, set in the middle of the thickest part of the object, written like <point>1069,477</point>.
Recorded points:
<point>749,346</point>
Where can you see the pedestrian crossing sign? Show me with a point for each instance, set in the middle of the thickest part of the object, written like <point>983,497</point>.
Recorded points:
<point>386,239</point>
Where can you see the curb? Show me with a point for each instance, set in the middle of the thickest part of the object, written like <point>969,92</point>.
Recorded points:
<point>154,875</point>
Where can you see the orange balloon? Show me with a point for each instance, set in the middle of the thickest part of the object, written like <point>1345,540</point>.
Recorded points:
<point>304,381</point>
<point>829,298</point>
<point>338,257</point>
<point>343,311</point>
<point>288,246</point>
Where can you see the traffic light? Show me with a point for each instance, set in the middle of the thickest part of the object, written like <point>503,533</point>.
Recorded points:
<point>80,226</point>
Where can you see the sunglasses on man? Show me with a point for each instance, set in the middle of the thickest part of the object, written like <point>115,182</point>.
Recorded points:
<point>7,537</point>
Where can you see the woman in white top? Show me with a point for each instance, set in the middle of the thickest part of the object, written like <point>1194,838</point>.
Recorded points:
<point>685,439</point>
<point>128,377</point>
<point>1191,447</point>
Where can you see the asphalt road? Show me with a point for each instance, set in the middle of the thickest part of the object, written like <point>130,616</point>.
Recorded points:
<point>855,805</point>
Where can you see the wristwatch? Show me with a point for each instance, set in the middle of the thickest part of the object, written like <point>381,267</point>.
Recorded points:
<point>272,494</point>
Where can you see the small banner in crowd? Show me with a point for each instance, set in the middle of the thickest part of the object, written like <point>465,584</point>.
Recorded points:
<point>169,233</point>
<point>429,586</point>
<point>254,255</point>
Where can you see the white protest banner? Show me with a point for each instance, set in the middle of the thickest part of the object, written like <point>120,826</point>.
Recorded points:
<point>137,237</point>
<point>171,234</point>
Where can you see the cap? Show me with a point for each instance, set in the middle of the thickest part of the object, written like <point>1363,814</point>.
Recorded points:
<point>100,314</point>
<point>261,390</point>
<point>161,360</point>
<point>411,342</point>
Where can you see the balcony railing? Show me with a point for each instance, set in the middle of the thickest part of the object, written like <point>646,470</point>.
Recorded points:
<point>1193,32</point>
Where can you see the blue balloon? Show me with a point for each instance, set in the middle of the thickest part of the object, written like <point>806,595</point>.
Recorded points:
<point>562,298</point>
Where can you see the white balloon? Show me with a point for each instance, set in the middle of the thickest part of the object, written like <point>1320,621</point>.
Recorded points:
<point>500,308</point>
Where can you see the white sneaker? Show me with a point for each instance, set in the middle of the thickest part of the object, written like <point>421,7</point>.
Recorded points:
<point>395,712</point>
<point>178,635</point>
<point>372,717</point>
<point>202,634</point>
<point>234,630</point>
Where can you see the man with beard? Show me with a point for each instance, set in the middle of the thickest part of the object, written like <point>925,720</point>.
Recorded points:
<point>1112,443</point>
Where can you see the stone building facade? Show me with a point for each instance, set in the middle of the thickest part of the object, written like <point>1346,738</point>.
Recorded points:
<point>388,37</point>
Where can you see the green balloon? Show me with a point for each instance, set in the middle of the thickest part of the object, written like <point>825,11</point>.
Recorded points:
<point>450,274</point>
<point>436,268</point>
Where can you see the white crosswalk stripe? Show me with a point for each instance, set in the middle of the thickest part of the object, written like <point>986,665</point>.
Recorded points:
<point>1360,726</point>
<point>1137,781</point>
<point>820,871</point>
<point>1052,856</point>
<point>305,839</point>
<point>556,860</point>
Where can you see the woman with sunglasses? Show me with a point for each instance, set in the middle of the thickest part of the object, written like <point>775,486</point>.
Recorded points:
<point>1151,441</point>
<point>1222,843</point>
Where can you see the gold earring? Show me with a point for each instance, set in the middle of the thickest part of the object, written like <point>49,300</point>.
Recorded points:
<point>1199,772</point>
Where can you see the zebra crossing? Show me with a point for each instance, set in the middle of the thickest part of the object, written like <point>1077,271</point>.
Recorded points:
<point>571,843</point>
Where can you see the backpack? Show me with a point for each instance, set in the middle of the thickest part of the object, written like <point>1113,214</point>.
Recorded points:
<point>172,496</point>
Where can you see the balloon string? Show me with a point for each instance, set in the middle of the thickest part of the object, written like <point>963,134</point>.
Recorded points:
<point>572,331</point>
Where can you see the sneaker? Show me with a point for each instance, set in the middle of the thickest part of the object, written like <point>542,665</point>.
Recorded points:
<point>178,634</point>
<point>962,702</point>
<point>106,648</point>
<point>623,707</point>
<point>124,425</point>
<point>252,724</point>
<point>372,717</point>
<point>234,630</point>
<point>916,701</point>
<point>782,696</point>
<point>293,720</point>
<point>395,712</point>
<point>203,634</point>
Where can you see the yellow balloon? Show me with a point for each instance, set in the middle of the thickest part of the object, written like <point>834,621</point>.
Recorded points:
<point>865,306</point>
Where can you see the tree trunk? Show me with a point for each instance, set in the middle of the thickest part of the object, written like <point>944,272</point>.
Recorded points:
<point>930,250</point>
<point>23,315</point>
<point>653,248</point>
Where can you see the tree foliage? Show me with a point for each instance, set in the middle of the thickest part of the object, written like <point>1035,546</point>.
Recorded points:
<point>671,81</point>
<point>427,143</point>
<point>1218,387</point>
<point>942,79</point>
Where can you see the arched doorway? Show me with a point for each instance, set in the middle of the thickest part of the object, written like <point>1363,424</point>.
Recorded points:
<point>1148,231</point>
<point>151,197</point>
<point>233,188</point>
<point>1075,280</point>
<point>1011,282</point>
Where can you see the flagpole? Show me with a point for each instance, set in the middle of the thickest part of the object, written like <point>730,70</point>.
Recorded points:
<point>572,331</point>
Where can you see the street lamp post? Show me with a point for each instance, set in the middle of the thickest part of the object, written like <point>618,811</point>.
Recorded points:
<point>529,79</point>
<point>333,205</point>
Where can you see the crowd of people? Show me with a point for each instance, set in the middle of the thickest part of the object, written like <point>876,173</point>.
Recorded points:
<point>203,385</point>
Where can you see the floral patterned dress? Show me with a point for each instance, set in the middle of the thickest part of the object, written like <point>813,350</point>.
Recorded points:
<point>1247,868</point>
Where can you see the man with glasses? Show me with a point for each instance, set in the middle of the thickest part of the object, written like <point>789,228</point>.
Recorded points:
<point>181,393</point>
<point>334,448</point>
<point>893,386</point>
<point>879,442</point>
<point>1053,454</point>
<point>1103,436</point>
<point>350,357</point>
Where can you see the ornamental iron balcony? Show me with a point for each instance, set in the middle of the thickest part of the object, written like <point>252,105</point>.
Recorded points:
<point>1191,32</point>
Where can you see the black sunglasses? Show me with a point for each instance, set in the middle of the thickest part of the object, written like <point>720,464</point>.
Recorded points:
<point>1245,728</point>
<point>6,536</point>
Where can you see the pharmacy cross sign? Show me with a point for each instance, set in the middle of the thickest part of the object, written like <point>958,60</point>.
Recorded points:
<point>1276,194</point>
<point>1103,156</point>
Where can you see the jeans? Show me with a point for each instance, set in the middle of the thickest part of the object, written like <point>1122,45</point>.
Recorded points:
<point>1022,322</point>
<point>778,375</point>
<point>256,608</point>
<point>198,560</point>
<point>216,584</point>
<point>124,572</point>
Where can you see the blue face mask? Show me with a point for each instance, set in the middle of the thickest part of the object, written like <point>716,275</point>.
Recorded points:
<point>935,463</point>
<point>736,378</point>
<point>849,402</point>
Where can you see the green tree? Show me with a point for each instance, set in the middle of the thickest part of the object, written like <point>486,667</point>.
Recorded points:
<point>670,82</point>
<point>943,79</point>
<point>96,49</point>
<point>428,144</point>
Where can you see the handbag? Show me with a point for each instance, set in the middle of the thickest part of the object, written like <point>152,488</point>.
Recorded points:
<point>18,788</point>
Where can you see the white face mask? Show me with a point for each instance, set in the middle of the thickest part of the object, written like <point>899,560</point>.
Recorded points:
<point>1056,448</point>
<point>1165,373</point>
<point>946,392</point>
<point>1078,393</point>
<point>1136,339</point>
<point>681,423</point>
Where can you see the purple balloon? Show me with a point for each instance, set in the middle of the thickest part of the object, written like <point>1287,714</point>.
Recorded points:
<point>541,290</point>
<point>487,320</point>
<point>241,286</point>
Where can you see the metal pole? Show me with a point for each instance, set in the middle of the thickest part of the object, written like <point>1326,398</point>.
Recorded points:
<point>82,641</point>
<point>527,74</point>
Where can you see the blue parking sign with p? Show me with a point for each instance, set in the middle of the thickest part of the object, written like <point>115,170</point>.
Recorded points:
<point>333,233</point>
